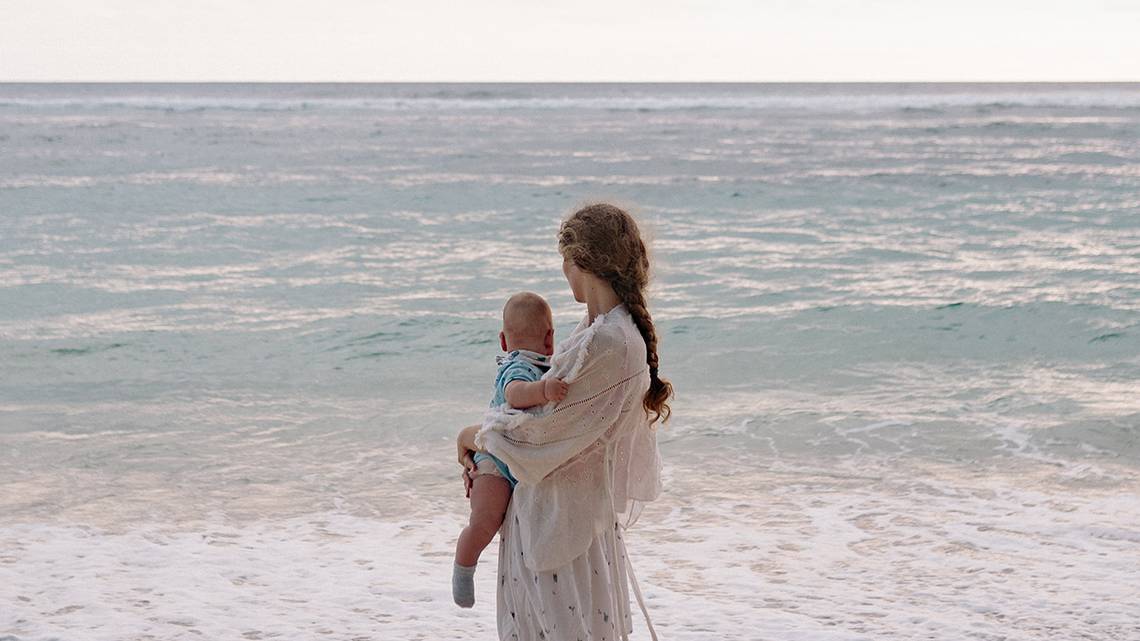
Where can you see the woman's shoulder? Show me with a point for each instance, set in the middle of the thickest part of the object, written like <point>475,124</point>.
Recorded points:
<point>616,332</point>
<point>604,323</point>
<point>612,336</point>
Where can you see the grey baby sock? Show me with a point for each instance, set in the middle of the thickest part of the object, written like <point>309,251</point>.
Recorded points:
<point>463,585</point>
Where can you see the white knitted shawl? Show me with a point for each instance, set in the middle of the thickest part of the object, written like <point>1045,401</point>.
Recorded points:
<point>589,460</point>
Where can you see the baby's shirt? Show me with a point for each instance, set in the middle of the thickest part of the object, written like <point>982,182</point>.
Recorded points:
<point>519,365</point>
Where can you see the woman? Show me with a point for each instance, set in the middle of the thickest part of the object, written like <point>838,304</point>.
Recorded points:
<point>586,464</point>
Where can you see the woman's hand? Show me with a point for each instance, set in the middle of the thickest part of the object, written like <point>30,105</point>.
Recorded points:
<point>465,448</point>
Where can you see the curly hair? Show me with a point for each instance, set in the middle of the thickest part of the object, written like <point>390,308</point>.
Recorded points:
<point>604,240</point>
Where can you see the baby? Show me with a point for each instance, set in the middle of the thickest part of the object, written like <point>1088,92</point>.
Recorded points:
<point>528,339</point>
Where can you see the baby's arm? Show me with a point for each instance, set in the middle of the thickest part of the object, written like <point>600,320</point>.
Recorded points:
<point>523,394</point>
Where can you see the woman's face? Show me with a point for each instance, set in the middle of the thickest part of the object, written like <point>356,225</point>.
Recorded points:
<point>575,277</point>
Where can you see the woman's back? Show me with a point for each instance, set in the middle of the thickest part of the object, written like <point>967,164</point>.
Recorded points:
<point>581,463</point>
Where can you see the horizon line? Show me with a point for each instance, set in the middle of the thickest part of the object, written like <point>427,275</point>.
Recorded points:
<point>574,82</point>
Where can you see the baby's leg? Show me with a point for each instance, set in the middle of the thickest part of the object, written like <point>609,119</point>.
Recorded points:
<point>489,498</point>
<point>490,494</point>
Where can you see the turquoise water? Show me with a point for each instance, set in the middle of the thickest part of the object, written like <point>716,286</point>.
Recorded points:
<point>903,322</point>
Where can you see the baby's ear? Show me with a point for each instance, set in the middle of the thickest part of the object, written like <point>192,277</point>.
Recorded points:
<point>548,342</point>
<point>503,340</point>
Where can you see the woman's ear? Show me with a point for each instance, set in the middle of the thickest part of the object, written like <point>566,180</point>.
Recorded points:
<point>503,340</point>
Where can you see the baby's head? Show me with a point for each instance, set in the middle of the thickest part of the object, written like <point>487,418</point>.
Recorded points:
<point>527,324</point>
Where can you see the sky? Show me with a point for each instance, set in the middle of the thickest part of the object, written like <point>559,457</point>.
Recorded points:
<point>586,40</point>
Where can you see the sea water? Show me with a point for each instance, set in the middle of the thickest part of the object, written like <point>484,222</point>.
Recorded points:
<point>240,325</point>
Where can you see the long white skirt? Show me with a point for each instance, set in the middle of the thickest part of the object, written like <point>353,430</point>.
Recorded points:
<point>584,600</point>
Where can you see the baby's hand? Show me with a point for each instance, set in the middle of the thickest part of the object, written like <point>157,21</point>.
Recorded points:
<point>554,389</point>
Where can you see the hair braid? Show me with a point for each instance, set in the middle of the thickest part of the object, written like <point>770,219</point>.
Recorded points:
<point>657,397</point>
<point>604,240</point>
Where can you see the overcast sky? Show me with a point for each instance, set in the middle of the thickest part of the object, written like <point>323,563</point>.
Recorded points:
<point>586,40</point>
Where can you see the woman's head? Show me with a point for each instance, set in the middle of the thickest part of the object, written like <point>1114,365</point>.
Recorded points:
<point>604,240</point>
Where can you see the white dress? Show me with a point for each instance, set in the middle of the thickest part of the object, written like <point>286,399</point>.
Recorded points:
<point>584,467</point>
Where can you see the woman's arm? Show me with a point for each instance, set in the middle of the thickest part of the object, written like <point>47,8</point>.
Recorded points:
<point>533,445</point>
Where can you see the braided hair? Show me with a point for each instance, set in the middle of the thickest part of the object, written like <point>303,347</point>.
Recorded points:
<point>604,240</point>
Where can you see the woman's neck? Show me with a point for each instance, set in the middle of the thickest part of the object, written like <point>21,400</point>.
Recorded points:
<point>600,298</point>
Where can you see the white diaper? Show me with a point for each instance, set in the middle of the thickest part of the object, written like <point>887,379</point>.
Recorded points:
<point>488,467</point>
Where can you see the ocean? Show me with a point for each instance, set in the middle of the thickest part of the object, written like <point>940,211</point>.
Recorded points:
<point>240,325</point>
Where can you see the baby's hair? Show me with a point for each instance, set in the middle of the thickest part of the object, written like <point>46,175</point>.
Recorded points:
<point>604,240</point>
<point>527,315</point>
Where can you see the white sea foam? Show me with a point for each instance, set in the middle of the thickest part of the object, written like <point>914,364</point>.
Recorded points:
<point>942,553</point>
